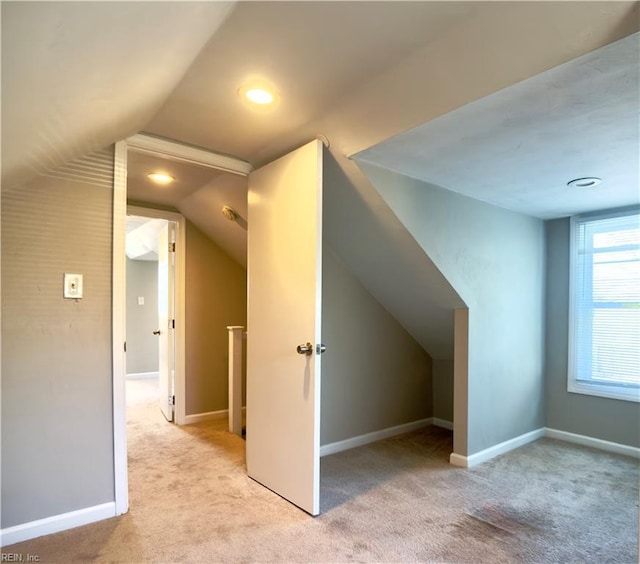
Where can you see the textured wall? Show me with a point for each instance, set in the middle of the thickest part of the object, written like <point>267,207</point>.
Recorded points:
<point>494,259</point>
<point>216,296</point>
<point>603,418</point>
<point>142,320</point>
<point>374,374</point>
<point>57,437</point>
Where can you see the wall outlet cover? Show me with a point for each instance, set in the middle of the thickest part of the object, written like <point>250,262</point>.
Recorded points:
<point>73,286</point>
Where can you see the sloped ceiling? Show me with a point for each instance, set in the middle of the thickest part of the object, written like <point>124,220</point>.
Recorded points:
<point>78,76</point>
<point>204,206</point>
<point>363,72</point>
<point>199,193</point>
<point>141,242</point>
<point>359,73</point>
<point>314,53</point>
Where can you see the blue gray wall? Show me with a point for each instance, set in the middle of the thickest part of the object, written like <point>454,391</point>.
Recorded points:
<point>494,259</point>
<point>443,389</point>
<point>142,320</point>
<point>57,429</point>
<point>374,374</point>
<point>602,418</point>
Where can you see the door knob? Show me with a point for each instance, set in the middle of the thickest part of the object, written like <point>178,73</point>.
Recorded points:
<point>307,349</point>
<point>157,332</point>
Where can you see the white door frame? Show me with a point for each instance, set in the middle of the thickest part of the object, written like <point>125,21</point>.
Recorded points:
<point>119,305</point>
<point>175,151</point>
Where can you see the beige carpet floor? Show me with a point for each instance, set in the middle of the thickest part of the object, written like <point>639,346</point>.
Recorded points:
<point>397,500</point>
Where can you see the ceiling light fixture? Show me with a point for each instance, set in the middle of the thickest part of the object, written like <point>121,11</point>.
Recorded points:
<point>586,182</point>
<point>229,213</point>
<point>258,95</point>
<point>160,178</point>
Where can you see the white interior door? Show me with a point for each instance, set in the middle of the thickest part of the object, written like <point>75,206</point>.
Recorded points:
<point>166,240</point>
<point>284,292</point>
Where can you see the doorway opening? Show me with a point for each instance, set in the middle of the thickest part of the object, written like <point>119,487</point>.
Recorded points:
<point>154,306</point>
<point>150,250</point>
<point>136,161</point>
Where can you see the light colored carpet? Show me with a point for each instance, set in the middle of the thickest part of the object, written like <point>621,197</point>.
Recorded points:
<point>142,391</point>
<point>393,501</point>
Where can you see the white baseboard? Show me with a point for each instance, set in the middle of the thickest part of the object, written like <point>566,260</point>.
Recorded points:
<point>437,422</point>
<point>361,440</point>
<point>483,456</point>
<point>592,442</point>
<point>495,450</point>
<point>142,375</point>
<point>207,416</point>
<point>57,523</point>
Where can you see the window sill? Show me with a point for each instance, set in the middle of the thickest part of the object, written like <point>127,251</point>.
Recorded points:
<point>611,392</point>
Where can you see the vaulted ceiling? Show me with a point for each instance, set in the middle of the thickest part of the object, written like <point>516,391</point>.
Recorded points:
<point>77,76</point>
<point>80,75</point>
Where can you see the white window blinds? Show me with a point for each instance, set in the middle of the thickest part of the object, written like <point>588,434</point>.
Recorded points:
<point>605,304</point>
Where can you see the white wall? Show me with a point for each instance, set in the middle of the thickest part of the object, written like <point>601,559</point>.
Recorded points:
<point>494,259</point>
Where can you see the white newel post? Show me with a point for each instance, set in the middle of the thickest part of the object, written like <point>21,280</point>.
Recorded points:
<point>236,334</point>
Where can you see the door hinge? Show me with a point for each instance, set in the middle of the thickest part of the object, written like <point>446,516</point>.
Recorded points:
<point>172,247</point>
<point>172,400</point>
<point>173,324</point>
<point>125,346</point>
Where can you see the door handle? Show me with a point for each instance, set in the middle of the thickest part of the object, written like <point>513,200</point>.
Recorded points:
<point>307,349</point>
<point>157,332</point>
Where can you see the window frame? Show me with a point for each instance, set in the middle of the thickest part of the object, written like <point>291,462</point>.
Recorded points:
<point>613,391</point>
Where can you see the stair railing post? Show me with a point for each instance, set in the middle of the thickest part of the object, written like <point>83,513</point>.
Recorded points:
<point>236,334</point>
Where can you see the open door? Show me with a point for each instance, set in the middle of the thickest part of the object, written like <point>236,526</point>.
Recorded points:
<point>166,252</point>
<point>283,326</point>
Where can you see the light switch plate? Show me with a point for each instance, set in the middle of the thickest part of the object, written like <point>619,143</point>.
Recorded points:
<point>140,300</point>
<point>73,286</point>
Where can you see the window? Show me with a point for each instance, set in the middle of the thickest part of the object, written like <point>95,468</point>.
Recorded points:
<point>604,313</point>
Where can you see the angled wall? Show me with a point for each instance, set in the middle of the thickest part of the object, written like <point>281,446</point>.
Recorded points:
<point>387,260</point>
<point>374,374</point>
<point>375,257</point>
<point>494,259</point>
<point>216,296</point>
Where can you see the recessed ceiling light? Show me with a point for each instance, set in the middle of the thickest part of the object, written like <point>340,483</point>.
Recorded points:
<point>586,182</point>
<point>160,178</point>
<point>258,95</point>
